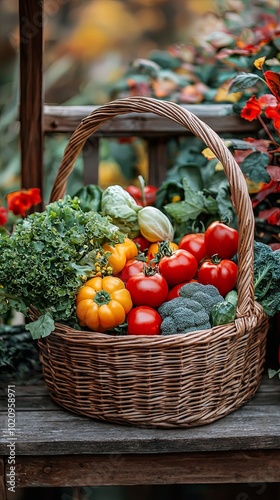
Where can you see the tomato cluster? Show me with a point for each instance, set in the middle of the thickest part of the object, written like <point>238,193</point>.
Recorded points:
<point>217,268</point>
<point>156,272</point>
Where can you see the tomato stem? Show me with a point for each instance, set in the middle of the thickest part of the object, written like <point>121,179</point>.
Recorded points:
<point>215,259</point>
<point>226,219</point>
<point>198,227</point>
<point>149,270</point>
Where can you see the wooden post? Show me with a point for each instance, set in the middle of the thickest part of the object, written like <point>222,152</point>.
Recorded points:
<point>91,161</point>
<point>2,480</point>
<point>31,91</point>
<point>158,159</point>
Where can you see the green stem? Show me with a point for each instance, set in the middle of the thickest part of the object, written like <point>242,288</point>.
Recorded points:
<point>215,259</point>
<point>142,189</point>
<point>7,295</point>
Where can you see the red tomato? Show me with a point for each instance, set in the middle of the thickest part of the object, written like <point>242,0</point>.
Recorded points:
<point>222,275</point>
<point>143,320</point>
<point>178,267</point>
<point>147,290</point>
<point>194,243</point>
<point>174,292</point>
<point>132,267</point>
<point>141,242</point>
<point>221,240</point>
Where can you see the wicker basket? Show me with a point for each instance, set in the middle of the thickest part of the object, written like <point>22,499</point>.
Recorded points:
<point>161,381</point>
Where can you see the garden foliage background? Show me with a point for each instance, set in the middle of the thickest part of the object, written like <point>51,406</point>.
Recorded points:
<point>88,47</point>
<point>93,53</point>
<point>183,51</point>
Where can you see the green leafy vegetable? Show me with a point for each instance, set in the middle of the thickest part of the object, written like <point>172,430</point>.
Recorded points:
<point>90,197</point>
<point>121,207</point>
<point>195,203</point>
<point>49,256</point>
<point>267,277</point>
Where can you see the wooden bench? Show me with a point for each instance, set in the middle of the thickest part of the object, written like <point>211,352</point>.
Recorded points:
<point>55,448</point>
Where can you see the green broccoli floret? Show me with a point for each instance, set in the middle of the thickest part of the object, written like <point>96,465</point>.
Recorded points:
<point>206,295</point>
<point>167,308</point>
<point>182,315</point>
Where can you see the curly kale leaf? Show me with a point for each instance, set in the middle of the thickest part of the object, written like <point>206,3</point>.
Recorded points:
<point>45,260</point>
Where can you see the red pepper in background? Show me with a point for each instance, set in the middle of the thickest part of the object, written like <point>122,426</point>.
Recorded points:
<point>143,195</point>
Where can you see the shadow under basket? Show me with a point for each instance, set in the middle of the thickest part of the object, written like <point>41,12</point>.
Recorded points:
<point>182,380</point>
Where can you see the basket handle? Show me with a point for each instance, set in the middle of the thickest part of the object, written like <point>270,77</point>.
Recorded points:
<point>239,192</point>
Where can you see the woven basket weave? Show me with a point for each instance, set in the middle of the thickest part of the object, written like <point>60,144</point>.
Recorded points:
<point>161,381</point>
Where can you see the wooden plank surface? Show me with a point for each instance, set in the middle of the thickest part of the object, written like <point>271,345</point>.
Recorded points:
<point>44,428</point>
<point>217,116</point>
<point>113,469</point>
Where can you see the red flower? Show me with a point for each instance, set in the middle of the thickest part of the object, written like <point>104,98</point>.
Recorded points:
<point>267,100</point>
<point>19,202</point>
<point>3,216</point>
<point>273,112</point>
<point>251,110</point>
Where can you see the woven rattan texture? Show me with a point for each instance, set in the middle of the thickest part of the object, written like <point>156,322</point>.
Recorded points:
<point>175,381</point>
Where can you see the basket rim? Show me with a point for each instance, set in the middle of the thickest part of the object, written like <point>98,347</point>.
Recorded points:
<point>238,327</point>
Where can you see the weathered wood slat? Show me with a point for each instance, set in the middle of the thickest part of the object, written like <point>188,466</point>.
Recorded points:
<point>158,160</point>
<point>217,116</point>
<point>61,432</point>
<point>191,468</point>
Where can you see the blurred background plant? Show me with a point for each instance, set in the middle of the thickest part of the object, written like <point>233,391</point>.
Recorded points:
<point>185,51</point>
<point>88,46</point>
<point>93,51</point>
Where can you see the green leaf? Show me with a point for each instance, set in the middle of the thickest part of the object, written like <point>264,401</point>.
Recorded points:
<point>243,81</point>
<point>239,144</point>
<point>276,42</point>
<point>271,373</point>
<point>188,171</point>
<point>211,205</point>
<point>223,199</point>
<point>42,327</point>
<point>194,204</point>
<point>254,166</point>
